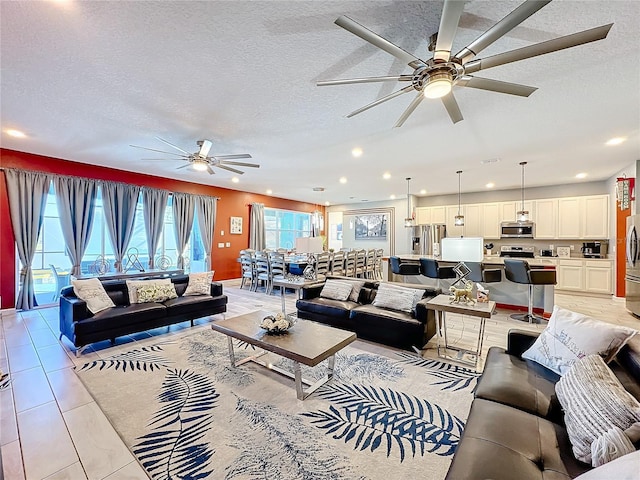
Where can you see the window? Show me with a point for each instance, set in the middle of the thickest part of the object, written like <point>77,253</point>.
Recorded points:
<point>284,226</point>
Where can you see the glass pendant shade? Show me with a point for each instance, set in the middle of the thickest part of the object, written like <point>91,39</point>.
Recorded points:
<point>438,86</point>
<point>459,218</point>
<point>459,221</point>
<point>408,221</point>
<point>522,215</point>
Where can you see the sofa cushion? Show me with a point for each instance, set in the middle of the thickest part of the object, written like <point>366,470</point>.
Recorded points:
<point>193,304</point>
<point>327,307</point>
<point>119,317</point>
<point>594,402</point>
<point>522,384</point>
<point>569,336</point>
<point>397,298</point>
<point>93,293</point>
<point>623,468</point>
<point>500,442</point>
<point>362,312</point>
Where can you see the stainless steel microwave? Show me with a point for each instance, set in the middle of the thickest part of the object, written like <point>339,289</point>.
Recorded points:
<point>517,230</point>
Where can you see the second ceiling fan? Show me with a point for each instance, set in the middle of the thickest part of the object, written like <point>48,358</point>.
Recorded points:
<point>435,78</point>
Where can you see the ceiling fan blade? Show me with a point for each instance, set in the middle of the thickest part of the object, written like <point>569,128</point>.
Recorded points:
<point>375,39</point>
<point>542,48</point>
<point>230,169</point>
<point>184,166</point>
<point>242,164</point>
<point>501,28</point>
<point>412,106</point>
<point>231,157</point>
<point>399,78</point>
<point>159,151</point>
<point>210,170</point>
<point>174,146</point>
<point>204,148</point>
<point>495,86</point>
<point>451,105</point>
<point>381,100</point>
<point>451,12</point>
<point>160,159</point>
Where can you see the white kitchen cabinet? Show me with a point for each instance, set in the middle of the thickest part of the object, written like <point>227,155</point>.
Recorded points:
<point>569,275</point>
<point>491,217</point>
<point>546,218</point>
<point>473,220</point>
<point>507,211</point>
<point>439,214</point>
<point>595,219</point>
<point>423,215</point>
<point>598,276</point>
<point>570,215</point>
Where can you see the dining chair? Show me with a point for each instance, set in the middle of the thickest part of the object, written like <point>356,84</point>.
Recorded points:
<point>277,269</point>
<point>370,264</point>
<point>337,263</point>
<point>262,270</point>
<point>248,270</point>
<point>378,265</point>
<point>350,264</point>
<point>322,263</point>
<point>361,263</point>
<point>62,280</point>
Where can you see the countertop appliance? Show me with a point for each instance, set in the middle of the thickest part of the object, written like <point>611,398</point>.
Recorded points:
<point>594,250</point>
<point>517,229</point>
<point>517,251</point>
<point>546,252</point>
<point>425,239</point>
<point>632,277</point>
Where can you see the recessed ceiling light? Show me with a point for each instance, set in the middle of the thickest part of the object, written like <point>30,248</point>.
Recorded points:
<point>423,192</point>
<point>235,179</point>
<point>15,133</point>
<point>269,192</point>
<point>343,179</point>
<point>327,203</point>
<point>490,185</point>
<point>581,175</point>
<point>356,152</point>
<point>392,197</point>
<point>386,175</point>
<point>615,141</point>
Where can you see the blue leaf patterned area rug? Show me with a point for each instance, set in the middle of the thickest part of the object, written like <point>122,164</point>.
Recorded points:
<point>186,413</point>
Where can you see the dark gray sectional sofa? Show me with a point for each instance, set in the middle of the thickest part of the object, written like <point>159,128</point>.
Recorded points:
<point>82,327</point>
<point>515,428</point>
<point>390,327</point>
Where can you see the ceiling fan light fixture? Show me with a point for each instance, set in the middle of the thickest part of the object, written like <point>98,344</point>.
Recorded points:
<point>438,85</point>
<point>199,165</point>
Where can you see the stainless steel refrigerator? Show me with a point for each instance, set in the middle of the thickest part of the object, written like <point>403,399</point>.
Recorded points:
<point>632,277</point>
<point>426,239</point>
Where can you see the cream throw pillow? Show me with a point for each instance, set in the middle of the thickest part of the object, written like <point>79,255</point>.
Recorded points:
<point>395,297</point>
<point>93,293</point>
<point>336,289</point>
<point>199,284</point>
<point>156,292</point>
<point>569,336</point>
<point>132,286</point>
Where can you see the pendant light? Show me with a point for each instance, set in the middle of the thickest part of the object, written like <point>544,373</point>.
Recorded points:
<point>459,219</point>
<point>522,215</point>
<point>408,222</point>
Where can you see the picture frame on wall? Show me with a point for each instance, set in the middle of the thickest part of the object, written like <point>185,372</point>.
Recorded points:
<point>236,226</point>
<point>371,227</point>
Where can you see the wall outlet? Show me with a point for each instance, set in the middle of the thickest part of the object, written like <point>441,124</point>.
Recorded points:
<point>221,245</point>
<point>572,247</point>
<point>550,247</point>
<point>228,244</point>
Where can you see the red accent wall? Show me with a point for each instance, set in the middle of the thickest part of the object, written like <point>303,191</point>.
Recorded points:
<point>621,248</point>
<point>232,203</point>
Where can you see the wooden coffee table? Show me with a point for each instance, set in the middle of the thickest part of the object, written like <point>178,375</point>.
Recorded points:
<point>306,342</point>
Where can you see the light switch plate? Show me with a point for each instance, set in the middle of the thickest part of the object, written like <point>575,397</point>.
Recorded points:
<point>228,244</point>
<point>222,233</point>
<point>221,245</point>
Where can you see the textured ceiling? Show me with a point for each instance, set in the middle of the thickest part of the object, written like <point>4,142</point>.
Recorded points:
<point>85,80</point>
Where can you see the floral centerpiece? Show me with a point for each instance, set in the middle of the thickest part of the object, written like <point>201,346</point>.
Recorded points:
<point>277,324</point>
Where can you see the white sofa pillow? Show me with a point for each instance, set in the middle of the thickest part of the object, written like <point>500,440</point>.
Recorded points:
<point>569,336</point>
<point>132,286</point>
<point>199,284</point>
<point>93,293</point>
<point>336,289</point>
<point>395,297</point>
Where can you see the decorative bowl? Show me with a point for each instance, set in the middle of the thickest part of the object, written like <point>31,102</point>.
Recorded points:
<point>278,323</point>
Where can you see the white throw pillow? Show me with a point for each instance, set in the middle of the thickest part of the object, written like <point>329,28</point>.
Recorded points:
<point>594,402</point>
<point>132,286</point>
<point>571,336</point>
<point>93,293</point>
<point>355,290</point>
<point>623,468</point>
<point>336,289</point>
<point>395,297</point>
<point>199,284</point>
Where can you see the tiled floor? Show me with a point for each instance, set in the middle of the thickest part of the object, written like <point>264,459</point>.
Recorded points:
<point>51,428</point>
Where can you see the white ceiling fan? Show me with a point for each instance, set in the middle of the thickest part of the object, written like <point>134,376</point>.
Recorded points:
<point>435,78</point>
<point>201,160</point>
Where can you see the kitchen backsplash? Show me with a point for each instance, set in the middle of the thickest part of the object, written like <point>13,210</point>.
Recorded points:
<point>543,244</point>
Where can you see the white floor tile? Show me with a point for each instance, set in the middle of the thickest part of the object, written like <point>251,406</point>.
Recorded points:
<point>132,471</point>
<point>22,357</point>
<point>8,425</point>
<point>72,472</point>
<point>54,357</point>
<point>30,389</point>
<point>69,391</point>
<point>12,462</point>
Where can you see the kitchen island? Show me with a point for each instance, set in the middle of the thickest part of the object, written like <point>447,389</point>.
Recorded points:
<point>505,293</point>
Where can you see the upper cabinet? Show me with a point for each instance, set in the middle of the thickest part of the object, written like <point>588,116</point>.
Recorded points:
<point>570,218</point>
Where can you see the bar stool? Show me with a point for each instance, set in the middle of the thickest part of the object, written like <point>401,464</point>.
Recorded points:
<point>402,267</point>
<point>479,273</point>
<point>430,268</point>
<point>518,271</point>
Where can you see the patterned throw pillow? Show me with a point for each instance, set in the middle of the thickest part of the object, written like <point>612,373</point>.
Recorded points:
<point>158,292</point>
<point>395,297</point>
<point>336,289</point>
<point>132,287</point>
<point>594,401</point>
<point>199,284</point>
<point>93,293</point>
<point>569,336</point>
